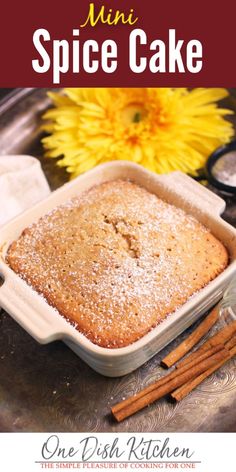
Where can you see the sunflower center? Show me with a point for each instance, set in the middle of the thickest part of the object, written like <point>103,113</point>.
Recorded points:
<point>133,113</point>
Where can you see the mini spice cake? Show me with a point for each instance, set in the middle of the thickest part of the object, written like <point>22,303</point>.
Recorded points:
<point>116,260</point>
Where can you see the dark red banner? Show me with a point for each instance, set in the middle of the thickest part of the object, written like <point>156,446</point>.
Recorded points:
<point>117,43</point>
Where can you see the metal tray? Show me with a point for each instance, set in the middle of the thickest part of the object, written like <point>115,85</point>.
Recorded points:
<point>45,388</point>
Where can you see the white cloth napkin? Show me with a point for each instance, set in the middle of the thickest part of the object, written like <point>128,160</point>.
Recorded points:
<point>22,184</point>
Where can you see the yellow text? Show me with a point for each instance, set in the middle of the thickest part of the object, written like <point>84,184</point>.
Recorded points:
<point>110,18</point>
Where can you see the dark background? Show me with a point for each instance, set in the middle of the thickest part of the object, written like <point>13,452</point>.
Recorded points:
<point>4,91</point>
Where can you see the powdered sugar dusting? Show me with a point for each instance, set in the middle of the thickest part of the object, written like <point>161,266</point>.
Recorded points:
<point>117,260</point>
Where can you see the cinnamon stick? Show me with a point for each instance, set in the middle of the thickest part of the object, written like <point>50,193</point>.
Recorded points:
<point>231,343</point>
<point>185,389</point>
<point>162,380</point>
<point>166,385</point>
<point>193,339</point>
<point>221,337</point>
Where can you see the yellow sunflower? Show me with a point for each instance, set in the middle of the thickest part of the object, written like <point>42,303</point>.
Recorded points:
<point>163,129</point>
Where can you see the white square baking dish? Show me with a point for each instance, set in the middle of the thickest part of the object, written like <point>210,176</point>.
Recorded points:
<point>45,324</point>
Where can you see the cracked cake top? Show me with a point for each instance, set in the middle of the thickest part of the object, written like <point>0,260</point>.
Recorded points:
<point>116,260</point>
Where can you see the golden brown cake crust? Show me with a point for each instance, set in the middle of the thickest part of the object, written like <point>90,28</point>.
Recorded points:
<point>116,260</point>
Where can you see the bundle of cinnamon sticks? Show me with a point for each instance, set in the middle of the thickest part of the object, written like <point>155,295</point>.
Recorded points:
<point>190,371</point>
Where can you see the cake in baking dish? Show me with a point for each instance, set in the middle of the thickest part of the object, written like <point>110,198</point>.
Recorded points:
<point>116,260</point>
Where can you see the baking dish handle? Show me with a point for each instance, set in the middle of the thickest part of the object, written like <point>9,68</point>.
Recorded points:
<point>196,192</point>
<point>27,313</point>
